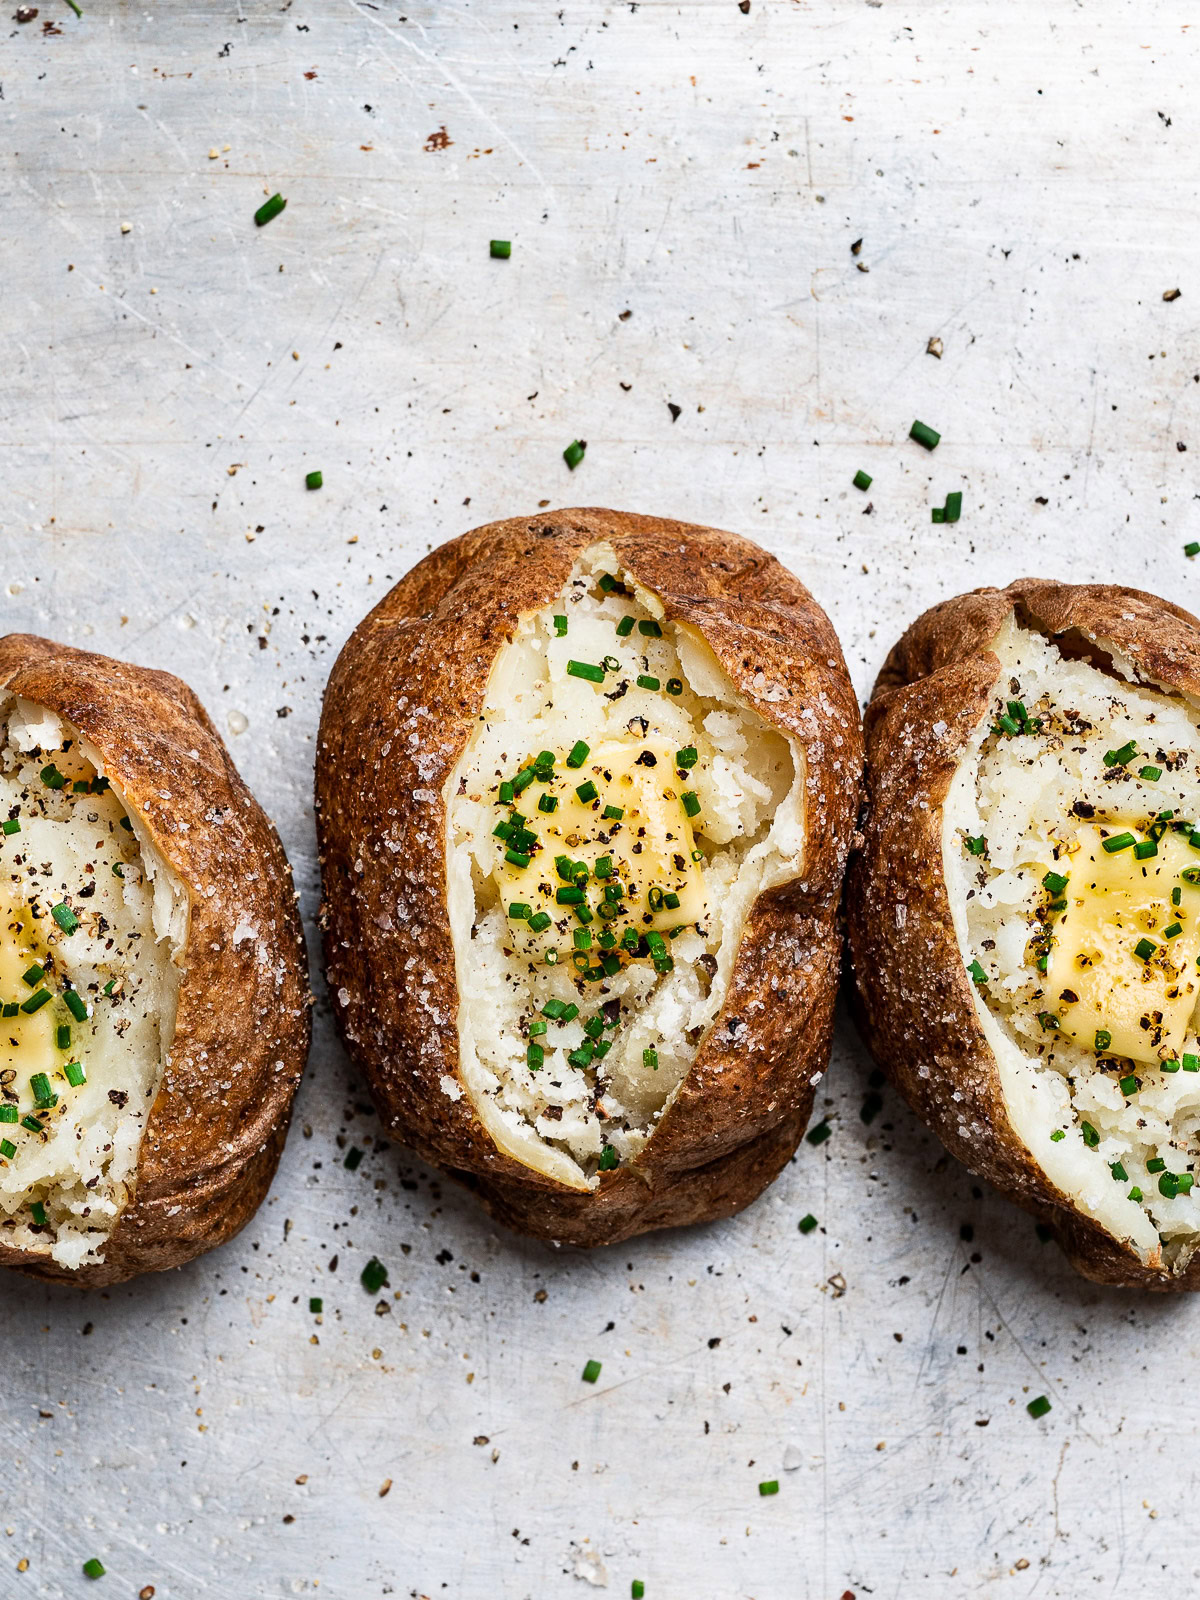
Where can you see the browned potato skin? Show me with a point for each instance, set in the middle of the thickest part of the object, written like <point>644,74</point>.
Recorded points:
<point>915,1004</point>
<point>218,1126</point>
<point>431,644</point>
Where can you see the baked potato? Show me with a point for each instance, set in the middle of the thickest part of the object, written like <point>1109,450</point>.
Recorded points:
<point>585,788</point>
<point>153,982</point>
<point>1024,915</point>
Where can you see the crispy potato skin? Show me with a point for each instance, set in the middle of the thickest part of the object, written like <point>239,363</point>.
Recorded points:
<point>399,710</point>
<point>218,1126</point>
<point>915,1005</point>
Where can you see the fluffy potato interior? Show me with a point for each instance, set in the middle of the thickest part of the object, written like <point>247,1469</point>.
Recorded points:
<point>1072,856</point>
<point>609,825</point>
<point>91,918</point>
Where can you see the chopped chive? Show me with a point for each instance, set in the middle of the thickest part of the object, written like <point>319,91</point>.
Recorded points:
<point>1145,848</point>
<point>671,901</point>
<point>591,1371</point>
<point>1184,1182</point>
<point>534,1056</point>
<point>1191,1063</point>
<point>574,453</point>
<point>65,917</point>
<point>771,1486</point>
<point>937,514</point>
<point>924,435</point>
<point>862,480</point>
<point>953,508</point>
<point>560,627</point>
<point>977,846</point>
<point>585,669</point>
<point>1118,1172</point>
<point>516,858</point>
<point>609,1160</point>
<point>269,209</point>
<point>1055,882</point>
<point>583,914</point>
<point>1173,930</point>
<point>539,922</point>
<point>1048,1020</point>
<point>1144,949</point>
<point>650,1058</point>
<point>1156,1164</point>
<point>1118,841</point>
<point>686,757</point>
<point>690,803</point>
<point>637,1589</point>
<point>603,867</point>
<point>1103,1039</point>
<point>44,1097</point>
<point>1168,1066</point>
<point>819,1134</point>
<point>1134,1194</point>
<point>32,1124</point>
<point>1168,1185</point>
<point>9,1113</point>
<point>500,249</point>
<point>1038,1407</point>
<point>316,1305</point>
<point>568,897</point>
<point>1128,1085</point>
<point>52,777</point>
<point>613,813</point>
<point>674,686</point>
<point>607,582</point>
<point>314,480</point>
<point>978,974</point>
<point>374,1275</point>
<point>624,627</point>
<point>1090,1137</point>
<point>110,986</point>
<point>537,1027</point>
<point>76,1004</point>
<point>35,1001</point>
<point>75,1074</point>
<point>582,1057</point>
<point>1191,874</point>
<point>1008,725</point>
<point>650,628</point>
<point>554,1009</point>
<point>578,754</point>
<point>38,1212</point>
<point>587,792</point>
<point>1057,1136</point>
<point>32,976</point>
<point>645,681</point>
<point>506,793</point>
<point>1151,774</point>
<point>548,803</point>
<point>519,911</point>
<point>63,1036</point>
<point>7,1149</point>
<point>353,1159</point>
<point>523,779</point>
<point>11,825</point>
<point>807,1223</point>
<point>611,664</point>
<point>1192,548</point>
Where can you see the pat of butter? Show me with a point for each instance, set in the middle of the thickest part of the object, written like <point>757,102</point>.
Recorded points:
<point>649,846</point>
<point>1096,980</point>
<point>28,1040</point>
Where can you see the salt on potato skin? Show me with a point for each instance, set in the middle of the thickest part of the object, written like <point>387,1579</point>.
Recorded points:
<point>241,1022</point>
<point>973,1075</point>
<point>401,707</point>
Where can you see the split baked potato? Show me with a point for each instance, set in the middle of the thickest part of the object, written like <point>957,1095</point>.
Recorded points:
<point>585,788</point>
<point>154,1015</point>
<point>1024,916</point>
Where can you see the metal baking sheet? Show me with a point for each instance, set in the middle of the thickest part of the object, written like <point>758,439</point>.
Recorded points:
<point>683,185</point>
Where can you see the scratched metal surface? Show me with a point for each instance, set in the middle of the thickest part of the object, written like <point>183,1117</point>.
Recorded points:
<point>1022,179</point>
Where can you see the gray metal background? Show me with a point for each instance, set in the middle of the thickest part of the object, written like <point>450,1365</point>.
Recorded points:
<point>1023,179</point>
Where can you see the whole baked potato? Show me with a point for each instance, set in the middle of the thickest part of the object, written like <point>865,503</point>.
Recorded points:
<point>1024,916</point>
<point>153,981</point>
<point>585,788</point>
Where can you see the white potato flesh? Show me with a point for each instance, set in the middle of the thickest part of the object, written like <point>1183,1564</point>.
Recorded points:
<point>91,921</point>
<point>1085,956</point>
<point>711,803</point>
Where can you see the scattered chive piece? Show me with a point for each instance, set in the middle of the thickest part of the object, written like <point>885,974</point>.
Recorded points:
<point>534,1056</point>
<point>650,1057</point>
<point>94,1568</point>
<point>507,794</point>
<point>686,757</point>
<point>1118,1172</point>
<point>953,508</point>
<point>33,975</point>
<point>819,1134</point>
<point>7,1149</point>
<point>1192,548</point>
<point>1006,724</point>
<point>11,825</point>
<point>1048,1020</point>
<point>1151,774</point>
<point>44,1097</point>
<point>650,628</point>
<point>1184,1182</point>
<point>645,681</point>
<point>611,664</point>
<point>603,867</point>
<point>569,896</point>
<point>1168,1185</point>
<point>75,1075</point>
<point>690,803</point>
<point>353,1159</point>
<point>1103,1039</point>
<point>1190,874</point>
<point>1145,848</point>
<point>1173,931</point>
<point>1090,1137</point>
<point>516,858</point>
<point>269,208</point>
<point>1128,1085</point>
<point>862,480</point>
<point>500,249</point>
<point>38,1212</point>
<point>523,779</point>
<point>591,1371</point>
<point>1038,1407</point>
<point>538,923</point>
<point>1144,949</point>
<point>624,627</point>
<point>1057,1136</point>
<point>32,1124</point>
<point>674,686</point>
<point>76,1004</point>
<point>807,1223</point>
<point>579,753</point>
<point>35,1001</point>
<point>671,901</point>
<point>637,1589</point>
<point>770,1487</point>
<point>110,986</point>
<point>548,803</point>
<point>9,1113</point>
<point>1121,757</point>
<point>976,847</point>
<point>978,975</point>
<point>937,514</point>
<point>1155,1164</point>
<point>585,669</point>
<point>554,1009</point>
<point>924,435</point>
<point>1168,1066</point>
<point>316,1305</point>
<point>1134,1194</point>
<point>65,917</point>
<point>587,792</point>
<point>1055,882</point>
<point>574,453</point>
<point>374,1275</point>
<point>560,627</point>
<point>314,480</point>
<point>52,777</point>
<point>1118,841</point>
<point>1191,1063</point>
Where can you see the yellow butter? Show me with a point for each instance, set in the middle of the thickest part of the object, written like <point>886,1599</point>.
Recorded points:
<point>650,847</point>
<point>1096,981</point>
<point>28,1040</point>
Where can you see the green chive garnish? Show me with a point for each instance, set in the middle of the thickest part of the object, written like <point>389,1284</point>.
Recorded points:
<point>269,208</point>
<point>548,803</point>
<point>978,974</point>
<point>924,435</point>
<point>770,1487</point>
<point>75,1074</point>
<point>65,917</point>
<point>1057,1136</point>
<point>1038,1407</point>
<point>32,1124</point>
<point>63,1036</point>
<point>674,686</point>
<point>1055,882</point>
<point>1151,774</point>
<point>650,1058</point>
<point>650,628</point>
<point>7,1149</point>
<point>314,480</point>
<point>35,1001</point>
<point>534,1056</point>
<point>807,1223</point>
<point>316,1305</point>
<point>44,1097</point>
<point>574,453</point>
<point>516,858</point>
<point>645,681</point>
<point>587,792</point>
<point>613,813</point>
<point>862,480</point>
<point>690,803</point>
<point>1118,841</point>
<point>1103,1039</point>
<point>686,757</point>
<point>76,1004</point>
<point>624,627</point>
<point>560,627</point>
<point>1144,949</point>
<point>8,1113</point>
<point>1090,1137</point>
<point>1145,848</point>
<point>1128,1085</point>
<point>1168,1066</point>
<point>374,1275</point>
<point>819,1134</point>
<point>538,923</point>
<point>1118,1172</point>
<point>1156,1164</point>
<point>11,825</point>
<point>585,669</point>
<point>52,777</point>
<point>500,249</point>
<point>953,507</point>
<point>33,975</point>
<point>591,1371</point>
